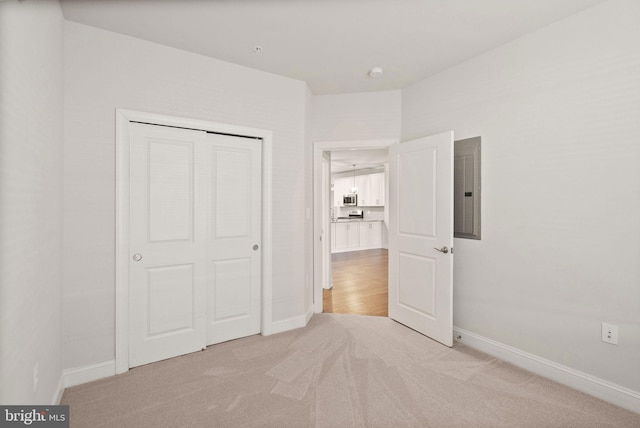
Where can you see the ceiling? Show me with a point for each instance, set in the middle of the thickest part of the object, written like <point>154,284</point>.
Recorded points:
<point>343,160</point>
<point>330,44</point>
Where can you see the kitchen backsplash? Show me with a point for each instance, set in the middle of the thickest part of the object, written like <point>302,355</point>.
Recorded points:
<point>370,213</point>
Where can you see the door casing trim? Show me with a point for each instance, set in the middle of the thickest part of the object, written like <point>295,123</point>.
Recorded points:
<point>123,120</point>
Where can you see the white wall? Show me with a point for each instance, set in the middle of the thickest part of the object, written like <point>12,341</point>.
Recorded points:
<point>31,138</point>
<point>559,115</point>
<point>105,71</point>
<point>362,116</point>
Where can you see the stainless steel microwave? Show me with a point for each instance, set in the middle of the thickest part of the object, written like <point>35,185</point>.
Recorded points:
<point>350,199</point>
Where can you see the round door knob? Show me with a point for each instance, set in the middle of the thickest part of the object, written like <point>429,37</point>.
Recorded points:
<point>137,257</point>
<point>255,247</point>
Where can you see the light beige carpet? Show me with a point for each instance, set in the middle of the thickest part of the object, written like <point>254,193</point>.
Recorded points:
<point>339,371</point>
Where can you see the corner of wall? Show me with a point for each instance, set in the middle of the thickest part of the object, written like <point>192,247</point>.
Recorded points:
<point>31,187</point>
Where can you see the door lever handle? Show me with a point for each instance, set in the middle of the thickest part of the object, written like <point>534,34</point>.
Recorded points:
<point>444,250</point>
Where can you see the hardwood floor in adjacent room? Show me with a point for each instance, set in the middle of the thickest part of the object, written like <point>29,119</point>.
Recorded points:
<point>360,283</point>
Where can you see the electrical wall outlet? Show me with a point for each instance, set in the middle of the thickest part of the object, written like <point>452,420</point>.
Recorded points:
<point>36,370</point>
<point>610,333</point>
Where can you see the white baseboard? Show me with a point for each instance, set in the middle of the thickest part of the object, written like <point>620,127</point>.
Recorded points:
<point>57,396</point>
<point>607,391</point>
<point>90,373</point>
<point>308,315</point>
<point>77,376</point>
<point>291,323</point>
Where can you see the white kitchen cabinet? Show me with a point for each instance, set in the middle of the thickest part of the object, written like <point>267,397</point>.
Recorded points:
<point>376,189</point>
<point>370,234</point>
<point>370,190</point>
<point>376,234</point>
<point>347,236</point>
<point>362,183</point>
<point>341,187</point>
<point>356,235</point>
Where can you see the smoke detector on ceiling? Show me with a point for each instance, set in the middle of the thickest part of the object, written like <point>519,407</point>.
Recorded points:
<point>375,72</point>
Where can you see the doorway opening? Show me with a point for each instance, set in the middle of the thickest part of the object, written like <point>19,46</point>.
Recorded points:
<point>351,256</point>
<point>359,256</point>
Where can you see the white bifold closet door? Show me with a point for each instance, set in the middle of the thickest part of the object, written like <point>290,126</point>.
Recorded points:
<point>195,201</point>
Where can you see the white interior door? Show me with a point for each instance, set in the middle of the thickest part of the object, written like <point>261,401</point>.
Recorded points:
<point>234,237</point>
<point>168,242</point>
<point>421,235</point>
<point>195,229</point>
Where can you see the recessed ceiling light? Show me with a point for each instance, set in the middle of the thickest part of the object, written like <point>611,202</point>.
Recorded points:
<point>375,72</point>
<point>257,49</point>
